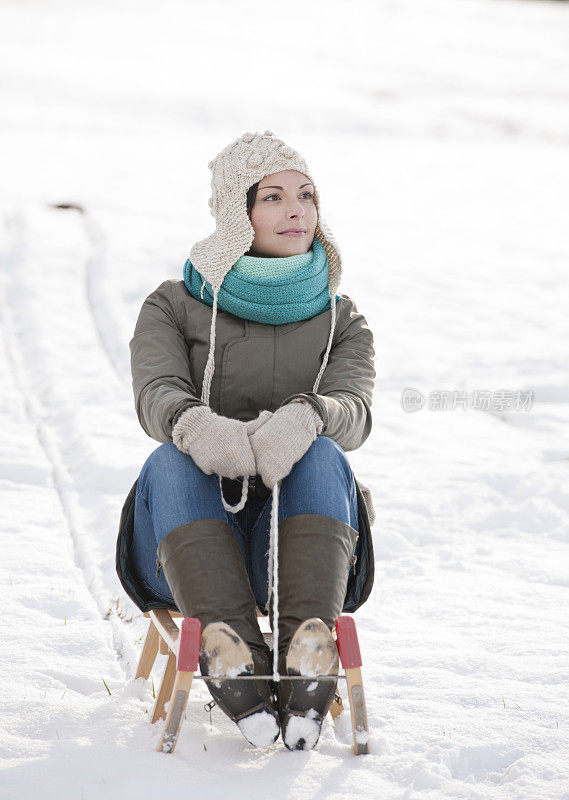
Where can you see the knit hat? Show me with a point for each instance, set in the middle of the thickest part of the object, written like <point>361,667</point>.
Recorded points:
<point>234,170</point>
<point>239,165</point>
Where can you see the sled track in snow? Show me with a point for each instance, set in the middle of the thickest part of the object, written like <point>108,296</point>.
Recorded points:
<point>94,275</point>
<point>38,414</point>
<point>95,272</point>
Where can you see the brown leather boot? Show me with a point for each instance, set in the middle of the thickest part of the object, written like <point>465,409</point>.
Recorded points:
<point>315,555</point>
<point>206,574</point>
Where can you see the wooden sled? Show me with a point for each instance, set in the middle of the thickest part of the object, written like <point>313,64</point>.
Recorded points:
<point>181,645</point>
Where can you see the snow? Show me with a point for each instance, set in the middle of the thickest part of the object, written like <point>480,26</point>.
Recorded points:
<point>362,737</point>
<point>314,659</point>
<point>260,728</point>
<point>302,728</point>
<point>219,667</point>
<point>439,135</point>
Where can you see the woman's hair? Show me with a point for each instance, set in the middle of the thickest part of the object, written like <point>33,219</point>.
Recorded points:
<point>251,197</point>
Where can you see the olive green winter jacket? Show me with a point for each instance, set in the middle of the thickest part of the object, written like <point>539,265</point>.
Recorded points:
<point>257,366</point>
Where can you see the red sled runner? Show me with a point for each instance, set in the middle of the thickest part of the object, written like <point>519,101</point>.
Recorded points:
<point>182,647</point>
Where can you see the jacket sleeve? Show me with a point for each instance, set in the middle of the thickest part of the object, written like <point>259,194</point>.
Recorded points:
<point>345,390</point>
<point>160,365</point>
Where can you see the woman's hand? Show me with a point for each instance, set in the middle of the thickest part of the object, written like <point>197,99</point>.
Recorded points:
<point>281,440</point>
<point>216,444</point>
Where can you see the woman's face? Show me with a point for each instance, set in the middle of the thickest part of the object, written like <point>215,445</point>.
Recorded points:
<point>284,202</point>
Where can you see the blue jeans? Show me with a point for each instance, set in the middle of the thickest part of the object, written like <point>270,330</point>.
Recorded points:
<point>172,491</point>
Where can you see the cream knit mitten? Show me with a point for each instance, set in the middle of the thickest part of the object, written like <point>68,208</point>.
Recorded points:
<point>283,439</point>
<point>216,444</point>
<point>254,424</point>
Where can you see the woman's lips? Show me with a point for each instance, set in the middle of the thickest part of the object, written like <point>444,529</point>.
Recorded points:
<point>294,234</point>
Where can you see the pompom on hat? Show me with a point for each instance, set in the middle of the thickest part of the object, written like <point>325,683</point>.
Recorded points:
<point>234,170</point>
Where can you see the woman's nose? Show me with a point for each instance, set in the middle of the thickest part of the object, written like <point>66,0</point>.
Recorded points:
<point>296,210</point>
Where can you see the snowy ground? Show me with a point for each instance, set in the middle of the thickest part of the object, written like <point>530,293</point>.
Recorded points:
<point>439,134</point>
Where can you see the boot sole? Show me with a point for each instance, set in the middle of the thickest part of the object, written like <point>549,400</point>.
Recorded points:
<point>312,651</point>
<point>223,652</point>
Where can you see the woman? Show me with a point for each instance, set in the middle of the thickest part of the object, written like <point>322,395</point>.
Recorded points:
<point>256,377</point>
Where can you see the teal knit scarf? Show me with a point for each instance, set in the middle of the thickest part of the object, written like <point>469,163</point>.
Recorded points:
<point>286,296</point>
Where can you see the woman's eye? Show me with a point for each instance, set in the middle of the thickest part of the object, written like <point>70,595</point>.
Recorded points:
<point>310,195</point>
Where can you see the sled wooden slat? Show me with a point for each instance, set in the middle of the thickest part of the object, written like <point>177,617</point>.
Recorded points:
<point>166,627</point>
<point>349,649</point>
<point>358,711</point>
<point>176,709</point>
<point>182,646</point>
<point>187,646</point>
<point>149,653</point>
<point>165,691</point>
